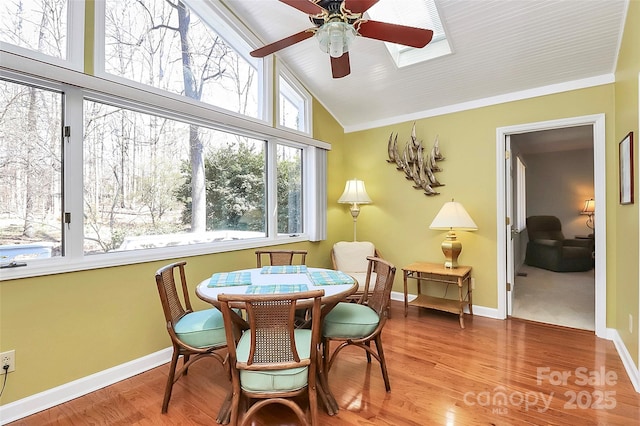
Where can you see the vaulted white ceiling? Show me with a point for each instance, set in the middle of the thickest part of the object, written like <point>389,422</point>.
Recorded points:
<point>502,50</point>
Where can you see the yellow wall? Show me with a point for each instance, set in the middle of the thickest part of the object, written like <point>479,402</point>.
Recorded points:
<point>626,217</point>
<point>399,218</point>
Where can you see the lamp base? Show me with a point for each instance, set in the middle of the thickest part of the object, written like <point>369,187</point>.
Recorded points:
<point>451,248</point>
<point>355,211</point>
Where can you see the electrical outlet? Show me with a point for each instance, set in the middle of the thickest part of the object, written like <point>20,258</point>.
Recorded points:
<point>473,283</point>
<point>8,358</point>
<point>630,323</point>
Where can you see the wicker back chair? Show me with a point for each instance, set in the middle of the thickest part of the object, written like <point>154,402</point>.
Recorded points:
<point>360,323</point>
<point>281,257</point>
<point>194,335</point>
<point>272,361</point>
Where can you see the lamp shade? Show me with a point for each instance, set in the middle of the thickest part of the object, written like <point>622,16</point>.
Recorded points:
<point>589,207</point>
<point>453,216</point>
<point>354,192</point>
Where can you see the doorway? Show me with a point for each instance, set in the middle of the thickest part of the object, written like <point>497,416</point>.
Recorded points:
<point>505,267</point>
<point>555,177</point>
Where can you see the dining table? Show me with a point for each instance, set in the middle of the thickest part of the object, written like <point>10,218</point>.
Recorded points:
<point>337,287</point>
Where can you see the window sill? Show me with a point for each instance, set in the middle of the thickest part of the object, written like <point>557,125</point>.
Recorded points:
<point>62,265</point>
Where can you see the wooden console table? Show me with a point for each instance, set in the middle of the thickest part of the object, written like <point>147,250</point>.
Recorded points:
<point>424,272</point>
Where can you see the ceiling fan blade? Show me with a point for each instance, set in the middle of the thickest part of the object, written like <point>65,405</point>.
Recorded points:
<point>281,44</point>
<point>359,6</point>
<point>340,66</point>
<point>305,6</point>
<point>393,33</point>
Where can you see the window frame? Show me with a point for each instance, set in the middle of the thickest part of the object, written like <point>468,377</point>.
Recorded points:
<point>75,41</point>
<point>76,86</point>
<point>226,27</point>
<point>298,89</point>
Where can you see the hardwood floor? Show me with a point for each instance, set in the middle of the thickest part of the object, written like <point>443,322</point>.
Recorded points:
<point>486,374</point>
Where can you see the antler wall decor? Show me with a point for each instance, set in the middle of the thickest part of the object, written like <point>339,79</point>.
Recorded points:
<point>418,166</point>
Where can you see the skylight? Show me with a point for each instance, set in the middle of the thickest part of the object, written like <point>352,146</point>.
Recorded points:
<point>414,13</point>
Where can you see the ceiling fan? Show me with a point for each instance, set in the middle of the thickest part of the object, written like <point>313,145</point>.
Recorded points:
<point>337,23</point>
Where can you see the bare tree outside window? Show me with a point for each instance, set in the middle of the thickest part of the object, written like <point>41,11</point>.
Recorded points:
<point>161,43</point>
<point>30,171</point>
<point>138,192</point>
<point>39,25</point>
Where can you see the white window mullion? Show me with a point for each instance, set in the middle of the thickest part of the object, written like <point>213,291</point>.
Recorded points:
<point>75,34</point>
<point>272,190</point>
<point>73,173</point>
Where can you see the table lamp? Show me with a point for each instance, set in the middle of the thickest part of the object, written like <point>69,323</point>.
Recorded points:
<point>354,194</point>
<point>452,216</point>
<point>589,209</point>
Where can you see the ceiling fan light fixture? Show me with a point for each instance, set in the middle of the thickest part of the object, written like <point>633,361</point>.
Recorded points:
<point>335,37</point>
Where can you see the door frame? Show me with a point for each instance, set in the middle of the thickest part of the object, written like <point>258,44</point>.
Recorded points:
<point>597,121</point>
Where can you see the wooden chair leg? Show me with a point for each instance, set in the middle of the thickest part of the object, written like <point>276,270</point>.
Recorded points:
<point>185,361</point>
<point>170,380</point>
<point>383,363</point>
<point>313,406</point>
<point>330,404</point>
<point>224,415</point>
<point>236,400</point>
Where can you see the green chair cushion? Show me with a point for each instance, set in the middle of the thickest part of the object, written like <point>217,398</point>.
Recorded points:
<point>275,380</point>
<point>202,328</point>
<point>350,320</point>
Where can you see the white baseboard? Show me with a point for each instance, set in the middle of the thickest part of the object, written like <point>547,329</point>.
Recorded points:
<point>58,395</point>
<point>632,369</point>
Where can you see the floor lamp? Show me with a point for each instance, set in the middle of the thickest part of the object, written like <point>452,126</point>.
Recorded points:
<point>354,194</point>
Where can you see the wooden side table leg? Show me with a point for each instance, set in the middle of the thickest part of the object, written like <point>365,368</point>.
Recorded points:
<point>461,300</point>
<point>470,293</point>
<point>406,301</point>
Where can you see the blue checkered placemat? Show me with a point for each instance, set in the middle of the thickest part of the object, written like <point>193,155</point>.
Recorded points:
<point>330,278</point>
<point>284,269</point>
<point>276,288</point>
<point>228,279</point>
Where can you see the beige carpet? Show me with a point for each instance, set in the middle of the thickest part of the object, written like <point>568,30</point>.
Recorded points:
<point>566,298</point>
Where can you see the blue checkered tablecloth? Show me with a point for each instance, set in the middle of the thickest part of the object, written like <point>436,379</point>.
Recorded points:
<point>284,269</point>
<point>227,279</point>
<point>276,288</point>
<point>329,277</point>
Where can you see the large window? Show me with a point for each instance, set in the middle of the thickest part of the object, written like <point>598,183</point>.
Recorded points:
<point>30,172</point>
<point>164,44</point>
<point>289,172</point>
<point>293,106</point>
<point>44,29</point>
<point>98,172</point>
<point>153,182</point>
<point>39,25</point>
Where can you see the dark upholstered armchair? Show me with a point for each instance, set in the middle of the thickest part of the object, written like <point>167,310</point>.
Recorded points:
<point>548,249</point>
